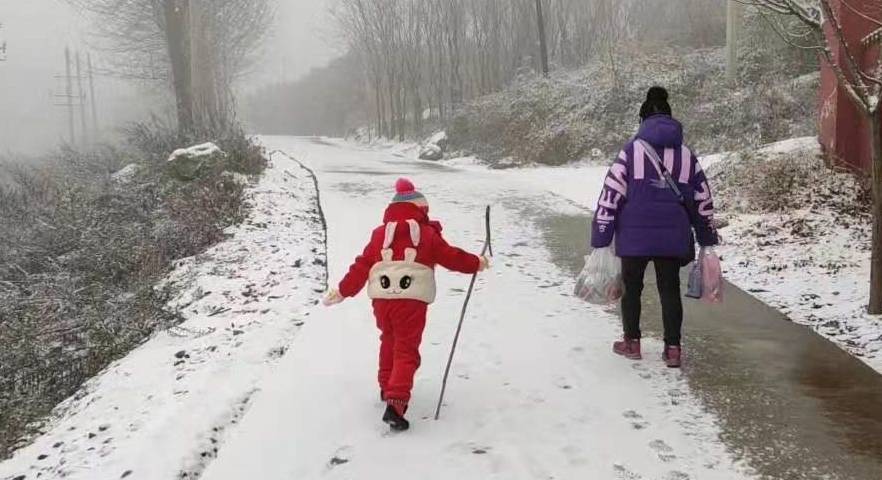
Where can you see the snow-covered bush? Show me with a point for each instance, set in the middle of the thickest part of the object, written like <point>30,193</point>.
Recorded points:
<point>787,177</point>
<point>564,118</point>
<point>80,253</point>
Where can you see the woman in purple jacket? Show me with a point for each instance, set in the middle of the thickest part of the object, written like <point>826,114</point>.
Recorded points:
<point>652,222</point>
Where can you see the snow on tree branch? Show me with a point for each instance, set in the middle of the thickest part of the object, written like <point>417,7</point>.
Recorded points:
<point>873,38</point>
<point>808,11</point>
<point>861,82</point>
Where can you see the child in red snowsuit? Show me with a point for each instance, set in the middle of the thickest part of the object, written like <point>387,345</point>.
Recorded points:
<point>398,267</point>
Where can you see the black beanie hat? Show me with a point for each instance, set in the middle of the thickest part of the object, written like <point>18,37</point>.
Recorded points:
<point>656,102</point>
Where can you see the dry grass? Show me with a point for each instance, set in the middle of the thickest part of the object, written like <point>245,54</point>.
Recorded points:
<point>80,254</point>
<point>786,182</point>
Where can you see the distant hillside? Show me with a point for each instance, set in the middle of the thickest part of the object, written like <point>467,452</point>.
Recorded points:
<point>325,102</point>
<point>591,111</point>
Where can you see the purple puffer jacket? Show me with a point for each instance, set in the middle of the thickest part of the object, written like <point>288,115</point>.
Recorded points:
<point>641,210</point>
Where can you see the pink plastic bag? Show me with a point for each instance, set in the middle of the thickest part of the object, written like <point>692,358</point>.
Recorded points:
<point>711,276</point>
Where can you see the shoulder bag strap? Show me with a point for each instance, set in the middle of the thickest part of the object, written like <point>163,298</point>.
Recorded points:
<point>660,168</point>
<point>663,172</point>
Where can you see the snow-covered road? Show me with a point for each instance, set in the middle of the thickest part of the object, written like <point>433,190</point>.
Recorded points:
<point>259,382</point>
<point>535,392</point>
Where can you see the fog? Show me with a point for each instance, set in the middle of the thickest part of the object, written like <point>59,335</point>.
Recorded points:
<point>37,32</point>
<point>302,39</point>
<point>174,221</point>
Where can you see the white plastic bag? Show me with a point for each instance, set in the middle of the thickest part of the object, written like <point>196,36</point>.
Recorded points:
<point>600,281</point>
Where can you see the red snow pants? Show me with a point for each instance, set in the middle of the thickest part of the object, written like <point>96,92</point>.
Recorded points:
<point>401,323</point>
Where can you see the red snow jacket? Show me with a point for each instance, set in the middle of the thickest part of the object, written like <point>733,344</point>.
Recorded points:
<point>433,249</point>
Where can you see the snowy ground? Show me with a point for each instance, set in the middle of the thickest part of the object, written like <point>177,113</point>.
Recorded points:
<point>535,392</point>
<point>762,254</point>
<point>261,383</point>
<point>161,412</point>
<point>812,263</point>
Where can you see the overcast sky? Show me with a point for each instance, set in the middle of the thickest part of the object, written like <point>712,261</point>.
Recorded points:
<point>303,38</point>
<point>37,32</point>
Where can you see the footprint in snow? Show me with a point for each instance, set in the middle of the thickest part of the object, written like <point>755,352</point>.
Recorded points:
<point>675,475</point>
<point>660,446</point>
<point>637,422</point>
<point>337,461</point>
<point>642,371</point>
<point>676,396</point>
<point>622,473</point>
<point>340,457</point>
<point>665,452</point>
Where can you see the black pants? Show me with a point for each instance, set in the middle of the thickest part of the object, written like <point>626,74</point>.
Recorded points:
<point>667,274</point>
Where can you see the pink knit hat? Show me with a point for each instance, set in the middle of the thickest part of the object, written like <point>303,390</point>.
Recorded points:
<point>405,192</point>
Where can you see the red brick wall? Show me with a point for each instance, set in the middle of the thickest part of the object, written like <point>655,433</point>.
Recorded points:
<point>844,130</point>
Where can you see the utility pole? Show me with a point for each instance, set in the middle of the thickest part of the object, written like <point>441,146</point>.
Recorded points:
<point>92,96</point>
<point>734,15</point>
<point>81,94</point>
<point>67,99</point>
<point>2,47</point>
<point>68,92</point>
<point>543,46</point>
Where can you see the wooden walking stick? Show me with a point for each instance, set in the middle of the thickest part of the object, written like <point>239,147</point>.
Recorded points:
<point>488,248</point>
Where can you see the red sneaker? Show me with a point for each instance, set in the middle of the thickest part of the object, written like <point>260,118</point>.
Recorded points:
<point>628,348</point>
<point>673,356</point>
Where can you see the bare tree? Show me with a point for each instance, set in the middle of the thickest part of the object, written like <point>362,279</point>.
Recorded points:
<point>437,54</point>
<point>543,46</point>
<point>862,81</point>
<point>199,46</point>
